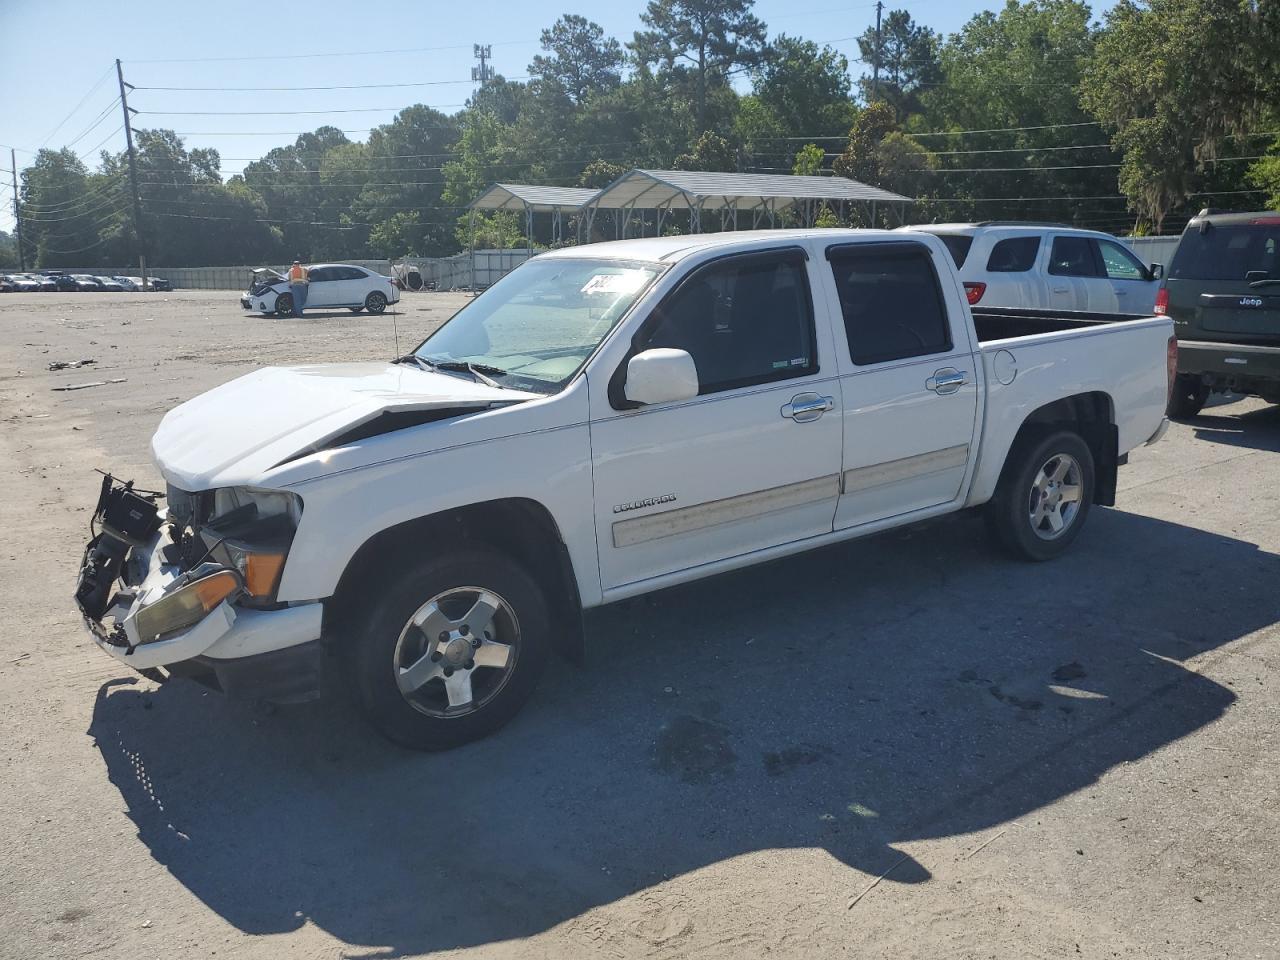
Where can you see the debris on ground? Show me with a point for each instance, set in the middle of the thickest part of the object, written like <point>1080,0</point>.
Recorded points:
<point>70,364</point>
<point>86,386</point>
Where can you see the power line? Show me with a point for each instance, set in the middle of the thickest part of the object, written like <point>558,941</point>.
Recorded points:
<point>106,111</point>
<point>344,86</point>
<point>287,113</point>
<point>94,191</point>
<point>334,54</point>
<point>106,73</point>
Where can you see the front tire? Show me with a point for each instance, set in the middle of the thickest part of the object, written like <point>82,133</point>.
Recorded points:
<point>451,649</point>
<point>1188,397</point>
<point>375,302</point>
<point>284,305</point>
<point>355,309</point>
<point>1043,496</point>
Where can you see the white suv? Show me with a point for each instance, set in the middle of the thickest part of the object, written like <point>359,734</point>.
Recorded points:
<point>1047,267</point>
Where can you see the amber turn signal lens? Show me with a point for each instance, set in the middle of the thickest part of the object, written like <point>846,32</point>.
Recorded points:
<point>262,573</point>
<point>185,607</point>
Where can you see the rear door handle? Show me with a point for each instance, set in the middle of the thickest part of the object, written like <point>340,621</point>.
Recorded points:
<point>805,407</point>
<point>947,380</point>
<point>1060,290</point>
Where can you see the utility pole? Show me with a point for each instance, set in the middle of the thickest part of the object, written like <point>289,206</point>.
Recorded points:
<point>133,179</point>
<point>17,213</point>
<point>483,73</point>
<point>875,66</point>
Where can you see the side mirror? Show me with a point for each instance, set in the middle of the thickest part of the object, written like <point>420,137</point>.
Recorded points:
<point>1157,271</point>
<point>661,375</point>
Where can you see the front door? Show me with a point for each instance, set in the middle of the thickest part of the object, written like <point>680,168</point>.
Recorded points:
<point>908,380</point>
<point>754,460</point>
<point>322,290</point>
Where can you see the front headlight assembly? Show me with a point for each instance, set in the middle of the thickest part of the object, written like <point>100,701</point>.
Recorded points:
<point>251,532</point>
<point>185,606</point>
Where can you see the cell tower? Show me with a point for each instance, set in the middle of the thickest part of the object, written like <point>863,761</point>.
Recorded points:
<point>483,73</point>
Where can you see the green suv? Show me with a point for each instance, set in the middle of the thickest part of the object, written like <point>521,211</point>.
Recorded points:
<point>1223,293</point>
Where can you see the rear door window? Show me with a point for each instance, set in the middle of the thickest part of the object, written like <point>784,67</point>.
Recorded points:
<point>1013,255</point>
<point>891,301</point>
<point>1228,252</point>
<point>1074,257</point>
<point>1119,263</point>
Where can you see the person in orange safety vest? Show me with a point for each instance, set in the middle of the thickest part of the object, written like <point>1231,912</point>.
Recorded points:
<point>298,279</point>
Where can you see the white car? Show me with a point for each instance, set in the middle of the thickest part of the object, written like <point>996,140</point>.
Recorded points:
<point>605,421</point>
<point>1048,267</point>
<point>331,285</point>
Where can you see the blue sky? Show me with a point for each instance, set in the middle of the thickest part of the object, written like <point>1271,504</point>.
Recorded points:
<point>73,46</point>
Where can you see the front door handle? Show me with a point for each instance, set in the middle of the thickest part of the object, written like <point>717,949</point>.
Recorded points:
<point>805,407</point>
<point>947,380</point>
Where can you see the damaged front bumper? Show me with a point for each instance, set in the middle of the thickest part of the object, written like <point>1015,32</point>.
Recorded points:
<point>254,654</point>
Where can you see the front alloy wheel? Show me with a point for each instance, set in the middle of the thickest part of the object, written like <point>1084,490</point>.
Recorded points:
<point>448,648</point>
<point>457,652</point>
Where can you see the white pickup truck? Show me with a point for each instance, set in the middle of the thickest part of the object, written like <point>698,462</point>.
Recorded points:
<point>605,421</point>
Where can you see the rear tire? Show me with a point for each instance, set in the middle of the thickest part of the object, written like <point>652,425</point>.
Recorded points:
<point>1044,495</point>
<point>375,302</point>
<point>284,305</point>
<point>437,594</point>
<point>1188,397</point>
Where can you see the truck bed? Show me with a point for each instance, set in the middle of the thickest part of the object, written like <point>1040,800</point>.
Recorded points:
<point>1004,323</point>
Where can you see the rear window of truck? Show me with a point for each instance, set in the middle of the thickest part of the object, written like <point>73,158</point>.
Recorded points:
<point>1228,252</point>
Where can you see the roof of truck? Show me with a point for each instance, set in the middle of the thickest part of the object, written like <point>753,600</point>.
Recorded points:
<point>672,249</point>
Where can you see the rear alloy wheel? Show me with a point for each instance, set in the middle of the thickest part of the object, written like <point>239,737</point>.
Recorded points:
<point>284,305</point>
<point>1188,397</point>
<point>375,302</point>
<point>1043,496</point>
<point>451,649</point>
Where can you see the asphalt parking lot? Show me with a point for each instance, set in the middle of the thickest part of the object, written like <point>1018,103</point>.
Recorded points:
<point>906,746</point>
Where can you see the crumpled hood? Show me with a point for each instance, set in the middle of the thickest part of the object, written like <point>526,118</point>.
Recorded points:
<point>237,432</point>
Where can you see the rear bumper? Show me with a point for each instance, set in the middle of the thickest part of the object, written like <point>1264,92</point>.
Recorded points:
<point>1228,361</point>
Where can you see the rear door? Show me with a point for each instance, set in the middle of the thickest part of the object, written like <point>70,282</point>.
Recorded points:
<point>1131,282</point>
<point>907,377</point>
<point>1220,282</point>
<point>1076,278</point>
<point>1010,274</point>
<point>353,286</point>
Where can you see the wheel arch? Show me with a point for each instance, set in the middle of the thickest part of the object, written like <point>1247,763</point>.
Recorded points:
<point>523,528</point>
<point>1092,416</point>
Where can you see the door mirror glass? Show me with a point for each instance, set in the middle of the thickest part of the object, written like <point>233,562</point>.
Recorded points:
<point>661,375</point>
<point>1157,271</point>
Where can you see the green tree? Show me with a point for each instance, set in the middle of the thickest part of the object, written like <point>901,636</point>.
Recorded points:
<point>711,153</point>
<point>909,65</point>
<point>499,230</point>
<point>1177,80</point>
<point>805,87</point>
<point>809,160</point>
<point>581,60</point>
<point>598,174</point>
<point>882,156</point>
<point>705,41</point>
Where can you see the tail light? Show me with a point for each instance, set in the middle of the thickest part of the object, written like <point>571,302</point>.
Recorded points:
<point>1171,364</point>
<point>974,292</point>
<point>1162,302</point>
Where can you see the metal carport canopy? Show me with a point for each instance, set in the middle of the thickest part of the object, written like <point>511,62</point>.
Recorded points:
<point>530,197</point>
<point>650,189</point>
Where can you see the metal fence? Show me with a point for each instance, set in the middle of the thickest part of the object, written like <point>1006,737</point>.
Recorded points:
<point>1152,249</point>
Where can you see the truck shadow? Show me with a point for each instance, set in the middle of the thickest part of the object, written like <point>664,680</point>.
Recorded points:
<point>907,686</point>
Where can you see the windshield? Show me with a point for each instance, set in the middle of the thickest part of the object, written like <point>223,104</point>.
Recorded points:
<point>534,328</point>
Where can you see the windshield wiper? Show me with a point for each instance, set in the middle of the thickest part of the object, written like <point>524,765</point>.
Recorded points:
<point>422,363</point>
<point>477,370</point>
